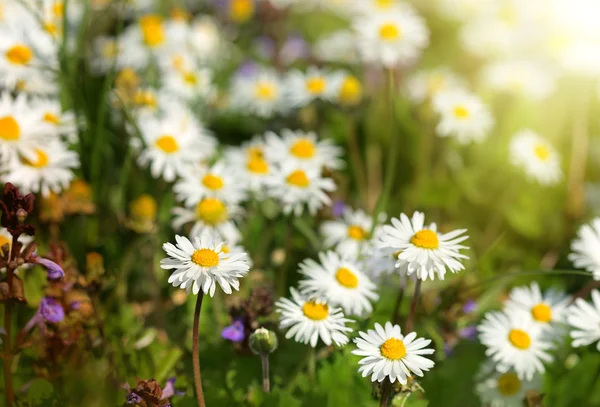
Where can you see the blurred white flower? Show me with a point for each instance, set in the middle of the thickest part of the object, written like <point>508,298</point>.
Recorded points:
<point>260,94</point>
<point>212,214</point>
<point>350,235</point>
<point>584,319</point>
<point>217,181</point>
<point>585,253</point>
<point>504,389</point>
<point>426,84</point>
<point>305,87</point>
<point>536,156</point>
<point>522,77</point>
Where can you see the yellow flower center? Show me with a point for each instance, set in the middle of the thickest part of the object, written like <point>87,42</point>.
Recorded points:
<point>519,339</point>
<point>315,311</point>
<point>241,10</point>
<point>393,349</point>
<point>425,239</point>
<point>109,49</point>
<point>51,28</point>
<point>350,91</point>
<point>298,178</point>
<point>461,112</point>
<point>265,91</point>
<point>58,9</point>
<point>145,98</point>
<point>435,84</point>
<point>9,129</point>
<point>389,32</point>
<point>80,189</point>
<point>143,207</point>
<point>40,161</point>
<point>384,3</point>
<point>255,152</point>
<point>258,165</point>
<point>542,313</point>
<point>212,182</point>
<point>153,32</point>
<point>52,119</point>
<point>206,258</point>
<point>212,211</point>
<point>316,85</point>
<point>509,384</point>
<point>346,278</point>
<point>225,249</point>
<point>303,148</point>
<point>356,232</point>
<point>178,62</point>
<point>190,78</point>
<point>19,54</point>
<point>542,152</point>
<point>167,143</point>
<point>179,14</point>
<point>4,240</point>
<point>127,79</point>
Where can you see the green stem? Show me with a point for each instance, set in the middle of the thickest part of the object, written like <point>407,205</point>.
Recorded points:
<point>264,361</point>
<point>196,353</point>
<point>413,307</point>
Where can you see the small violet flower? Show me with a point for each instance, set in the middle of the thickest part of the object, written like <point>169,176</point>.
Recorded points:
<point>55,272</point>
<point>49,311</point>
<point>469,306</point>
<point>234,332</point>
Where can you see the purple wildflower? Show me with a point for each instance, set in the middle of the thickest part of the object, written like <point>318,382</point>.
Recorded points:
<point>49,311</point>
<point>234,332</point>
<point>469,306</point>
<point>55,272</point>
<point>338,209</point>
<point>468,332</point>
<point>294,48</point>
<point>264,47</point>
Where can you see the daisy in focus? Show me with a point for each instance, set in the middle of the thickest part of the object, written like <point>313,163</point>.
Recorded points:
<point>200,264</point>
<point>340,282</point>
<point>388,353</point>
<point>395,38</point>
<point>309,320</point>
<point>259,94</point>
<point>585,253</point>
<point>504,389</point>
<point>306,87</point>
<point>536,156</point>
<point>217,181</point>
<point>211,214</point>
<point>462,116</point>
<point>296,188</point>
<point>350,235</point>
<point>426,85</point>
<point>514,343</point>
<point>302,149</point>
<point>584,320</point>
<point>422,249</point>
<point>547,310</point>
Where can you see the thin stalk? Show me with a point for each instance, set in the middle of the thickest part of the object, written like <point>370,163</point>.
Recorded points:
<point>264,361</point>
<point>398,305</point>
<point>8,354</point>
<point>413,307</point>
<point>195,352</point>
<point>386,393</point>
<point>312,365</point>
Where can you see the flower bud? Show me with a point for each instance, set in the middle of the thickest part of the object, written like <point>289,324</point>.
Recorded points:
<point>262,341</point>
<point>21,215</point>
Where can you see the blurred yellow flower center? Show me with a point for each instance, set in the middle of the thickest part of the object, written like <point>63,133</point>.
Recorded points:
<point>225,249</point>
<point>80,189</point>
<point>109,49</point>
<point>212,182</point>
<point>298,178</point>
<point>315,311</point>
<point>153,32</point>
<point>315,85</point>
<point>19,54</point>
<point>346,278</point>
<point>179,14</point>
<point>58,9</point>
<point>145,98</point>
<point>52,118</point>
<point>356,232</point>
<point>303,148</point>
<point>144,207</point>
<point>509,384</point>
<point>190,78</point>
<point>205,258</point>
<point>41,159</point>
<point>127,79</point>
<point>519,339</point>
<point>167,143</point>
<point>393,349</point>
<point>435,84</point>
<point>258,165</point>
<point>241,10</point>
<point>389,32</point>
<point>542,313</point>
<point>425,239</point>
<point>9,128</point>
<point>51,28</point>
<point>461,112</point>
<point>384,3</point>
<point>255,152</point>
<point>4,240</point>
<point>178,62</point>
<point>212,211</point>
<point>265,91</point>
<point>542,152</point>
<point>350,91</point>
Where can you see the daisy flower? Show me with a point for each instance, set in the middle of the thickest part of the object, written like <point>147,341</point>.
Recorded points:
<point>311,319</point>
<point>339,46</point>
<point>388,353</point>
<point>306,87</point>
<point>463,116</point>
<point>212,214</point>
<point>585,252</point>
<point>302,149</point>
<point>217,181</point>
<point>390,39</point>
<point>173,143</point>
<point>106,52</point>
<point>504,389</point>
<point>340,282</point>
<point>521,77</point>
<point>513,342</point>
<point>547,310</point>
<point>206,39</point>
<point>63,122</point>
<point>350,90</point>
<point>21,128</point>
<point>6,238</point>
<point>191,85</point>
<point>584,320</point>
<point>200,264</point>
<point>369,7</point>
<point>536,156</point>
<point>50,171</point>
<point>422,249</point>
<point>295,187</point>
<point>250,164</point>
<point>259,94</point>
<point>350,235</point>
<point>427,84</point>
